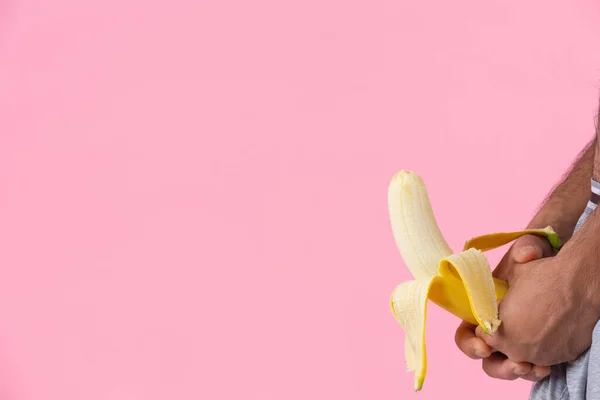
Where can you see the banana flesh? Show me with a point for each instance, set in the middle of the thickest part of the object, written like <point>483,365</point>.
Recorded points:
<point>461,283</point>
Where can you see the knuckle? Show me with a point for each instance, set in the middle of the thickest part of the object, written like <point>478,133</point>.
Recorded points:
<point>494,341</point>
<point>532,377</point>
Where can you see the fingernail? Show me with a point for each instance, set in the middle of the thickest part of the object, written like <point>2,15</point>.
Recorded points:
<point>519,371</point>
<point>528,253</point>
<point>482,353</point>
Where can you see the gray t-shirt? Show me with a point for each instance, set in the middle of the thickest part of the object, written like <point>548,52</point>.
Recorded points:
<point>579,379</point>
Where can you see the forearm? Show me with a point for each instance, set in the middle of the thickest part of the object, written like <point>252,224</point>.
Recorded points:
<point>581,256</point>
<point>581,253</point>
<point>567,201</point>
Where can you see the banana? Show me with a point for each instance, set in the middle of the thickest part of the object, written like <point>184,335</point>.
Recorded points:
<point>461,283</point>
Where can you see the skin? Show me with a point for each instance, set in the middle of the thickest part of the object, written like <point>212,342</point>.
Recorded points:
<point>561,290</point>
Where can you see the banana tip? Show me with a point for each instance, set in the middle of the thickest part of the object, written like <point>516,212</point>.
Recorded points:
<point>406,177</point>
<point>418,384</point>
<point>403,173</point>
<point>492,326</point>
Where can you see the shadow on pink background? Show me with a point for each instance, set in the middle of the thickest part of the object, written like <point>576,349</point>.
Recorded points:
<point>193,195</point>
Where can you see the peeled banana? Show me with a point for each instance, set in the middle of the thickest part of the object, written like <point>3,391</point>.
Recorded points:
<point>461,283</point>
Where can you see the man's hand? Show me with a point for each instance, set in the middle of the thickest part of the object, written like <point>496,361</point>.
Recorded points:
<point>524,250</point>
<point>549,312</point>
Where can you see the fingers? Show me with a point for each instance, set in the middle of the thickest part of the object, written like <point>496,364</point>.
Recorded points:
<point>492,341</point>
<point>537,373</point>
<point>473,346</point>
<point>469,340</point>
<point>499,367</point>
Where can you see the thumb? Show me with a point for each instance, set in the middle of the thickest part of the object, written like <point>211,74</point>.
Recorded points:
<point>525,249</point>
<point>530,247</point>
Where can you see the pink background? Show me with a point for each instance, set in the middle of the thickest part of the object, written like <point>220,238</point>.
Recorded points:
<point>193,195</point>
